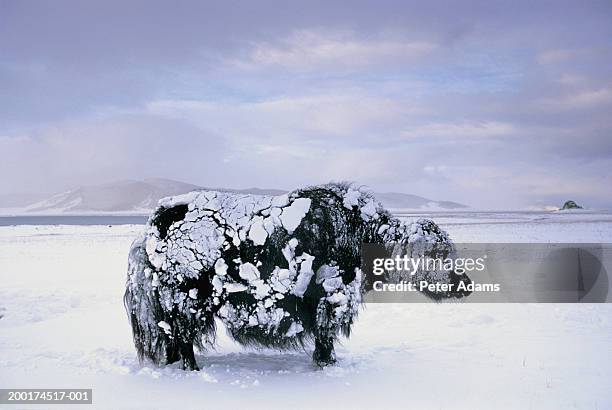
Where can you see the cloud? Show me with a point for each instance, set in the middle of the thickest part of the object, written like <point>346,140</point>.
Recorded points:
<point>314,116</point>
<point>479,105</point>
<point>487,129</point>
<point>580,100</point>
<point>556,56</point>
<point>101,149</point>
<point>310,50</point>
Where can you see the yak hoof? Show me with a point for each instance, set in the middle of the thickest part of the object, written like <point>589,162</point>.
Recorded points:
<point>330,361</point>
<point>190,366</point>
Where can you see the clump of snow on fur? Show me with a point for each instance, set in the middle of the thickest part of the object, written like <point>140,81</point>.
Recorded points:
<point>293,215</point>
<point>220,267</point>
<point>294,329</point>
<point>234,287</point>
<point>303,279</point>
<point>368,211</point>
<point>166,327</point>
<point>258,233</point>
<point>249,272</point>
<point>351,198</point>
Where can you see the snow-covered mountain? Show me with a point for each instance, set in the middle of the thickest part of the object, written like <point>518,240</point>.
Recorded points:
<point>395,200</point>
<point>141,197</point>
<point>124,196</point>
<point>19,200</point>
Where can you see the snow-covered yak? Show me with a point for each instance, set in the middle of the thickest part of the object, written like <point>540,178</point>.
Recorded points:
<point>279,272</point>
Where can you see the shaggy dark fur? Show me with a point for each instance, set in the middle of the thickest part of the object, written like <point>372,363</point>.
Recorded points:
<point>281,272</point>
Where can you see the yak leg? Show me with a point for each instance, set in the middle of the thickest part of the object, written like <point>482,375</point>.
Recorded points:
<point>189,361</point>
<point>172,353</point>
<point>324,354</point>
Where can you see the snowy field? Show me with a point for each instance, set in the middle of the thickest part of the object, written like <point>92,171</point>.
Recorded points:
<point>63,325</point>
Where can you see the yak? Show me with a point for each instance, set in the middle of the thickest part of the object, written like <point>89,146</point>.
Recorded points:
<point>278,271</point>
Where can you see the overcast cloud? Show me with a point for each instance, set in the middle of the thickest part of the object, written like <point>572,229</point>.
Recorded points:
<point>480,102</point>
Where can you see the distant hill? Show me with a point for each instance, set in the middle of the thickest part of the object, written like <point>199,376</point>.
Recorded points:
<point>19,200</point>
<point>395,200</point>
<point>142,196</point>
<point>122,196</point>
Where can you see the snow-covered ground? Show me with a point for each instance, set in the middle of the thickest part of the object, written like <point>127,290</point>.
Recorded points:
<point>63,325</point>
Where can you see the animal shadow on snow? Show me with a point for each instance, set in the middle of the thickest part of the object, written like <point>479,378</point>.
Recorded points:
<point>259,362</point>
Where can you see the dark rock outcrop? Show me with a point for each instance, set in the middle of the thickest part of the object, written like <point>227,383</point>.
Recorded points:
<point>571,205</point>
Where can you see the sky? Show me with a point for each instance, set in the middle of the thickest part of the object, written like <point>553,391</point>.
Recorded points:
<point>492,104</point>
